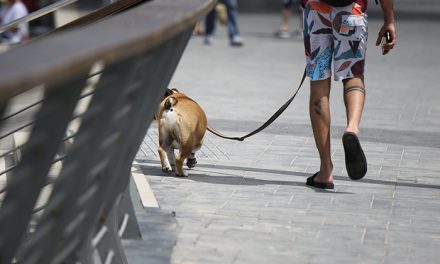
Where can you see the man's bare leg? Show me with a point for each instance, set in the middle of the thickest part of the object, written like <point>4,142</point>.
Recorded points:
<point>354,98</point>
<point>319,110</point>
<point>286,14</point>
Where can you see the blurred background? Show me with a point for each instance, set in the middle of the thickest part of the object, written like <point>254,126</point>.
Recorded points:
<point>405,9</point>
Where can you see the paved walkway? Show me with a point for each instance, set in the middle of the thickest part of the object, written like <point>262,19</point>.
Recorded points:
<point>246,202</point>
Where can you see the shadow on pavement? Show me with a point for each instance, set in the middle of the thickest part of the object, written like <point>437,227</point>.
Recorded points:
<point>230,179</point>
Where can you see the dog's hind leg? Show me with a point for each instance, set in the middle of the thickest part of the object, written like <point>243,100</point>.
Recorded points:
<point>171,159</point>
<point>166,166</point>
<point>183,154</point>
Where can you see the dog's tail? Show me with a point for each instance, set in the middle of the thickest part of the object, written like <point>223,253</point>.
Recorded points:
<point>170,102</point>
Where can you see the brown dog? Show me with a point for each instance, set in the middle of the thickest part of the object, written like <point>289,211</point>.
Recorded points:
<point>182,126</point>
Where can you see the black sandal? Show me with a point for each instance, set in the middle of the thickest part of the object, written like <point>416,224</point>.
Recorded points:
<point>311,182</point>
<point>355,160</point>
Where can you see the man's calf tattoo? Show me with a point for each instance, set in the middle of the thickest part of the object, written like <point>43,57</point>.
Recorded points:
<point>317,106</point>
<point>354,88</point>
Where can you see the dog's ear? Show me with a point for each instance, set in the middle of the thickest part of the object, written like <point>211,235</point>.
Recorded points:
<point>168,92</point>
<point>171,91</point>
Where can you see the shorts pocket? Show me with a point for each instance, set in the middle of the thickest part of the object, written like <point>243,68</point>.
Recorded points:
<point>351,27</point>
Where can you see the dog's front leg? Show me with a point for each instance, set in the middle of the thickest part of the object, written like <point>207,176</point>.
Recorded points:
<point>191,161</point>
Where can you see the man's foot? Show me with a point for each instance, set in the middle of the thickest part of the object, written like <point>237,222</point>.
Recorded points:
<point>282,34</point>
<point>207,40</point>
<point>236,41</point>
<point>355,160</point>
<point>311,182</point>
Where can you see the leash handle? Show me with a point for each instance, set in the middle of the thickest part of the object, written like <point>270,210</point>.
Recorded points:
<point>267,123</point>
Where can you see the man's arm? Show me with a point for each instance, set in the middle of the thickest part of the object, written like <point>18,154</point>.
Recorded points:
<point>388,25</point>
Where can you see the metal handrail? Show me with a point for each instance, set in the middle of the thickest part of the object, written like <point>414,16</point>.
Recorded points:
<point>37,14</point>
<point>137,50</point>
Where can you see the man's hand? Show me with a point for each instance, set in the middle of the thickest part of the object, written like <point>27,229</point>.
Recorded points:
<point>387,46</point>
<point>388,26</point>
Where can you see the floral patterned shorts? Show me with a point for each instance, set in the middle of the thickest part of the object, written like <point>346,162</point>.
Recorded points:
<point>335,33</point>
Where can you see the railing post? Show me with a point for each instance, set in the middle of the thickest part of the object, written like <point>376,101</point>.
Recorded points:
<point>37,158</point>
<point>126,216</point>
<point>111,247</point>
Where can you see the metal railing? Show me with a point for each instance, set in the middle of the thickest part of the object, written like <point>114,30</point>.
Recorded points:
<point>76,105</point>
<point>37,14</point>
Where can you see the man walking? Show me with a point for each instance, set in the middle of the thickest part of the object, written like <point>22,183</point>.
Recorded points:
<point>234,34</point>
<point>339,33</point>
<point>286,15</point>
<point>13,10</point>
